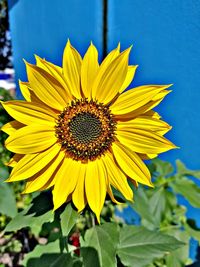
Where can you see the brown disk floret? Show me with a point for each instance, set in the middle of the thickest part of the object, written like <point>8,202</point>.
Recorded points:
<point>85,129</point>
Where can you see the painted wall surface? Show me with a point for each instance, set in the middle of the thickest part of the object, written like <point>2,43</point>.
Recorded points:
<point>43,27</point>
<point>166,46</point>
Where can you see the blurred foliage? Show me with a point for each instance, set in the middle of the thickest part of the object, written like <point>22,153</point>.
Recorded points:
<point>11,200</point>
<point>159,209</point>
<point>31,234</point>
<point>4,118</point>
<point>5,42</point>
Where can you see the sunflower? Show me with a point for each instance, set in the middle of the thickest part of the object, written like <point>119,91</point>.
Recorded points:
<point>79,133</point>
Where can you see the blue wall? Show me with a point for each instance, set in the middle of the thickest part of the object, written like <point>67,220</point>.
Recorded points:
<point>166,45</point>
<point>43,27</point>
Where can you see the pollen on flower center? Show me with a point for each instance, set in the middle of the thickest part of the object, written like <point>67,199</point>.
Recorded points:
<point>85,129</point>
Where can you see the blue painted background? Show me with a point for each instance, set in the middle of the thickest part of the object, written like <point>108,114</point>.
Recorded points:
<point>166,45</point>
<point>43,27</point>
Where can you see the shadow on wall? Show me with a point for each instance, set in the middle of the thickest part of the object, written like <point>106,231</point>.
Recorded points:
<point>12,3</point>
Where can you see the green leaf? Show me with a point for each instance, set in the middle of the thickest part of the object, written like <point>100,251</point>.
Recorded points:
<point>48,256</point>
<point>179,257</point>
<point>22,220</point>
<point>33,217</point>
<point>182,170</point>
<point>193,232</point>
<point>141,206</point>
<point>104,239</point>
<point>171,206</point>
<point>68,219</point>
<point>78,263</point>
<point>188,189</point>
<point>7,200</point>
<point>171,199</point>
<point>139,246</point>
<point>90,257</point>
<point>172,261</point>
<point>157,204</point>
<point>51,260</point>
<point>151,208</point>
<point>4,173</point>
<point>41,203</point>
<point>39,250</point>
<point>163,168</point>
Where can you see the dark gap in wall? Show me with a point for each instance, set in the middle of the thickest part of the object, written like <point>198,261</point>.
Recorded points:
<point>105,26</point>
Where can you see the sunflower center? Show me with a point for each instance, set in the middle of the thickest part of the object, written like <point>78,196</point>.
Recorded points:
<point>85,129</point>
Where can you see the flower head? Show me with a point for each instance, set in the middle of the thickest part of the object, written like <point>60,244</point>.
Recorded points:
<point>79,133</point>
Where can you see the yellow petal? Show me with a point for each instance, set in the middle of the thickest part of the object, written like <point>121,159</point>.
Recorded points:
<point>78,196</point>
<point>110,78</point>
<point>95,186</point>
<point>143,111</point>
<point>28,93</point>
<point>33,163</point>
<point>46,87</point>
<point>40,179</point>
<point>11,127</point>
<point>51,181</point>
<point>144,123</point>
<point>110,192</point>
<point>147,156</point>
<point>135,98</point>
<point>153,114</point>
<point>47,66</point>
<point>65,181</point>
<point>152,156</point>
<point>116,177</point>
<point>77,57</point>
<point>31,139</point>
<point>29,112</point>
<point>72,68</point>
<point>144,142</point>
<point>14,160</point>
<point>89,70</point>
<point>110,57</point>
<point>55,71</point>
<point>49,184</point>
<point>131,164</point>
<point>161,95</point>
<point>129,77</point>
<point>25,90</point>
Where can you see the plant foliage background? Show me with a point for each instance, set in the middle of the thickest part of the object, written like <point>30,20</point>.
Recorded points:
<point>31,234</point>
<point>5,42</point>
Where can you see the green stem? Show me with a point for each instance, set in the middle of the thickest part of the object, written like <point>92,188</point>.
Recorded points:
<point>92,219</point>
<point>63,240</point>
<point>66,243</point>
